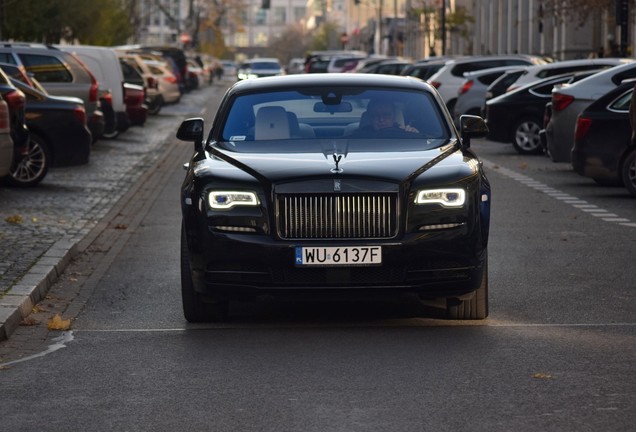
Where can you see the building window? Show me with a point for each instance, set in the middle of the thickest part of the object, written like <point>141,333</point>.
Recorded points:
<point>299,13</point>
<point>261,17</point>
<point>279,15</point>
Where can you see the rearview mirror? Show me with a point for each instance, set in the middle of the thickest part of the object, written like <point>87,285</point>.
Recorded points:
<point>472,126</point>
<point>192,130</point>
<point>342,107</point>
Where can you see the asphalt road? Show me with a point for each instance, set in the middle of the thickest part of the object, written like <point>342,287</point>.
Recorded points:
<point>557,353</point>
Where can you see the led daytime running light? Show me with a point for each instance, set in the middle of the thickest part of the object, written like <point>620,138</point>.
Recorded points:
<point>223,200</point>
<point>445,197</point>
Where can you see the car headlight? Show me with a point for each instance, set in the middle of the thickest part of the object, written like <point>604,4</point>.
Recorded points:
<point>223,200</point>
<point>445,197</point>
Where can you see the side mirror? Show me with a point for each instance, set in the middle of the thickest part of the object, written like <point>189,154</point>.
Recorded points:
<point>192,130</point>
<point>472,126</point>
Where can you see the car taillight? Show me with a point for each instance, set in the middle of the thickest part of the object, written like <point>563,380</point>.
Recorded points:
<point>467,85</point>
<point>93,92</point>
<point>435,84</point>
<point>80,114</point>
<point>15,99</point>
<point>561,101</point>
<point>152,83</point>
<point>171,79</point>
<point>583,125</point>
<point>5,121</point>
<point>107,96</point>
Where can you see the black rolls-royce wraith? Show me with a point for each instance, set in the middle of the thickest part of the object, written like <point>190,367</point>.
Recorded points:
<point>334,183</point>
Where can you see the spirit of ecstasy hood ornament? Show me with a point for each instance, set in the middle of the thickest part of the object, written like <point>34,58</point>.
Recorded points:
<point>336,158</point>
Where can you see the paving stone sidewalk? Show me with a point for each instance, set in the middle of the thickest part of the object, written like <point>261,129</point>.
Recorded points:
<point>41,226</point>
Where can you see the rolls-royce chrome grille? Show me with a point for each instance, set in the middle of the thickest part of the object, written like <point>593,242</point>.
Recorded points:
<point>337,216</point>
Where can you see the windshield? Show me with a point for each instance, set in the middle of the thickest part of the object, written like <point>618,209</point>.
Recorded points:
<point>315,114</point>
<point>264,65</point>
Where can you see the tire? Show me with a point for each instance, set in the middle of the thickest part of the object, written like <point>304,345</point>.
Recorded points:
<point>155,107</point>
<point>29,170</point>
<point>195,308</point>
<point>475,308</point>
<point>111,135</point>
<point>525,138</point>
<point>628,172</point>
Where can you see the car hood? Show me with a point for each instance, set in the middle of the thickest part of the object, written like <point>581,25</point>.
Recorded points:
<point>447,162</point>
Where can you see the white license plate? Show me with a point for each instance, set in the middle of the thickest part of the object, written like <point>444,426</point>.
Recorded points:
<point>336,256</point>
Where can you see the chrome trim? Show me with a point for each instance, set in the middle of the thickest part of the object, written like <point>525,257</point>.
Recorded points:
<point>337,216</point>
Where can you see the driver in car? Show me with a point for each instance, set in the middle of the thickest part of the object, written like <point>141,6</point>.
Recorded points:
<point>382,116</point>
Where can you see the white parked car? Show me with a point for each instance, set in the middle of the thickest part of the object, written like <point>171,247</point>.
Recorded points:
<point>537,72</point>
<point>450,77</point>
<point>471,95</point>
<point>167,81</point>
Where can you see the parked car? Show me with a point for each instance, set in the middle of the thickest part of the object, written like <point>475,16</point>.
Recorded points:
<point>229,68</point>
<point>568,101</point>
<point>167,82</point>
<point>194,78</point>
<point>296,65</point>
<point>471,95</point>
<point>398,212</point>
<point>537,72</point>
<point>500,85</point>
<point>136,108</point>
<point>61,74</point>
<point>175,57</point>
<point>320,61</point>
<point>259,67</point>
<point>57,127</point>
<point>386,67</point>
<point>422,70</point>
<point>105,65</point>
<point>449,78</point>
<point>517,116</point>
<point>58,133</point>
<point>6,143</point>
<point>136,71</point>
<point>603,148</point>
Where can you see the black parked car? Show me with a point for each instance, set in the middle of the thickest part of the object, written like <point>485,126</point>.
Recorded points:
<point>517,117</point>
<point>290,192</point>
<point>603,149</point>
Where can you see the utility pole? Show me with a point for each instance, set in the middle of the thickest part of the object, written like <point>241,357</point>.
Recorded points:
<point>443,27</point>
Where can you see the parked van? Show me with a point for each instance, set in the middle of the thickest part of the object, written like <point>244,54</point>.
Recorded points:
<point>104,63</point>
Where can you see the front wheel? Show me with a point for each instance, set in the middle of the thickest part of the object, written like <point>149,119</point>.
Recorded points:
<point>628,172</point>
<point>475,308</point>
<point>526,138</point>
<point>195,308</point>
<point>29,169</point>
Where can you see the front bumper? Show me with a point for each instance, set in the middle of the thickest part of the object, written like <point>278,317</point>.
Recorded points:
<point>440,264</point>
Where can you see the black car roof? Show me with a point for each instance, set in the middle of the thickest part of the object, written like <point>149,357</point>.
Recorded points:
<point>330,80</point>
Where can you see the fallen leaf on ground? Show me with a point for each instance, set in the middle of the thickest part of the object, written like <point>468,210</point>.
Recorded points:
<point>121,226</point>
<point>15,219</point>
<point>541,375</point>
<point>57,323</point>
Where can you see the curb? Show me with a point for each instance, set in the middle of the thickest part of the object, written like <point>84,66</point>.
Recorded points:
<point>17,304</point>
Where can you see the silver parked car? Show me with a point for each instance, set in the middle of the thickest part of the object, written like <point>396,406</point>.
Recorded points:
<point>471,95</point>
<point>569,100</point>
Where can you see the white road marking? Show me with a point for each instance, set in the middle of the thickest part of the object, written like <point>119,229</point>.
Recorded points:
<point>566,198</point>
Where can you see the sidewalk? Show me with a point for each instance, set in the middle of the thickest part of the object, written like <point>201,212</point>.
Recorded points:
<point>41,227</point>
